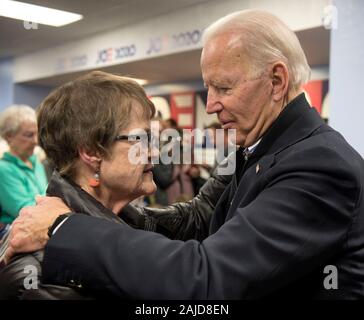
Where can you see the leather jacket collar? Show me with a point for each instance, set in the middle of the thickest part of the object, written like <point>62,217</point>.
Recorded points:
<point>77,199</point>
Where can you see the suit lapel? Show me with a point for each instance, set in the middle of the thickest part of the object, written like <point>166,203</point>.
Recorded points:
<point>219,216</point>
<point>249,184</point>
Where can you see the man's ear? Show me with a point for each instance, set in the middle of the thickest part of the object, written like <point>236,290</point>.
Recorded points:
<point>90,158</point>
<point>280,80</point>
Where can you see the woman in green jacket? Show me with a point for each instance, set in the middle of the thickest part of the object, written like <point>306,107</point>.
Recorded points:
<point>22,176</point>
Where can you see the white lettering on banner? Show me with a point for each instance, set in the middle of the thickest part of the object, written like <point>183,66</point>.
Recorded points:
<point>124,52</point>
<point>155,45</point>
<point>78,61</point>
<point>175,41</point>
<point>186,39</point>
<point>111,54</point>
<point>72,62</point>
<point>105,55</point>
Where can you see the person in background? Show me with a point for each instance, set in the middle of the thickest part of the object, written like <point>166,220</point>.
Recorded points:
<point>162,173</point>
<point>171,124</point>
<point>181,187</point>
<point>22,176</point>
<point>3,146</point>
<point>180,184</point>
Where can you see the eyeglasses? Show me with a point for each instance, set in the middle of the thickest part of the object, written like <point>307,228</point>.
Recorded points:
<point>142,137</point>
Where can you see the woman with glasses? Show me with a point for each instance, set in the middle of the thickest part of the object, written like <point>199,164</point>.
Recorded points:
<point>96,133</point>
<point>22,176</point>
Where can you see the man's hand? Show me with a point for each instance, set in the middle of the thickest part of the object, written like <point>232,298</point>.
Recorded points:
<point>29,230</point>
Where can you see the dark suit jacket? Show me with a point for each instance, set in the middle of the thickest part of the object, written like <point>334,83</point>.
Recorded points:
<point>293,208</point>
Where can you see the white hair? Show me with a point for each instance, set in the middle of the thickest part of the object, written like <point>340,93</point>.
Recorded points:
<point>266,39</point>
<point>12,118</point>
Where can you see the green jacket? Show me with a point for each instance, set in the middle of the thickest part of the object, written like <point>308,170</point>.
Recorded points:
<point>19,185</point>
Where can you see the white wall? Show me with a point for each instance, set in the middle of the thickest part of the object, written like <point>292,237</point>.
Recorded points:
<point>347,72</point>
<point>6,83</point>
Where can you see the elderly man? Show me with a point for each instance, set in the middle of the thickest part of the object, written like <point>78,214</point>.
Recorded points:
<point>291,222</point>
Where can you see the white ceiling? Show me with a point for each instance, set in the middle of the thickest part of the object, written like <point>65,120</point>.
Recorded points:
<point>99,16</point>
<point>102,15</point>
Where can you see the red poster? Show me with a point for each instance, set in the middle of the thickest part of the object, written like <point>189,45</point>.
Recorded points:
<point>182,109</point>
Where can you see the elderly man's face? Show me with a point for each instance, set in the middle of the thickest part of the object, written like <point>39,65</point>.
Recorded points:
<point>240,100</point>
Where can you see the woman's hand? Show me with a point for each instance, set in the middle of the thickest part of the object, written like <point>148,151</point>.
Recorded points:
<point>29,230</point>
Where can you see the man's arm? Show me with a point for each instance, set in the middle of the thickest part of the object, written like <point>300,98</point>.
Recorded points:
<point>29,231</point>
<point>180,221</point>
<point>294,226</point>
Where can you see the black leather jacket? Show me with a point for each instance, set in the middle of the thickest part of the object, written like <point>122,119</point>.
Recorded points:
<point>183,221</point>
<point>26,269</point>
<point>179,221</point>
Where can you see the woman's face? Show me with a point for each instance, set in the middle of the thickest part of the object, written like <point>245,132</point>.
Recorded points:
<point>122,174</point>
<point>23,142</point>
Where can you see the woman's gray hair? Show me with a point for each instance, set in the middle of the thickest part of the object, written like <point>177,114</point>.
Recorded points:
<point>265,39</point>
<point>12,118</point>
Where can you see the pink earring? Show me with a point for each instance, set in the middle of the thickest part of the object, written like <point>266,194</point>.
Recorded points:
<point>95,181</point>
